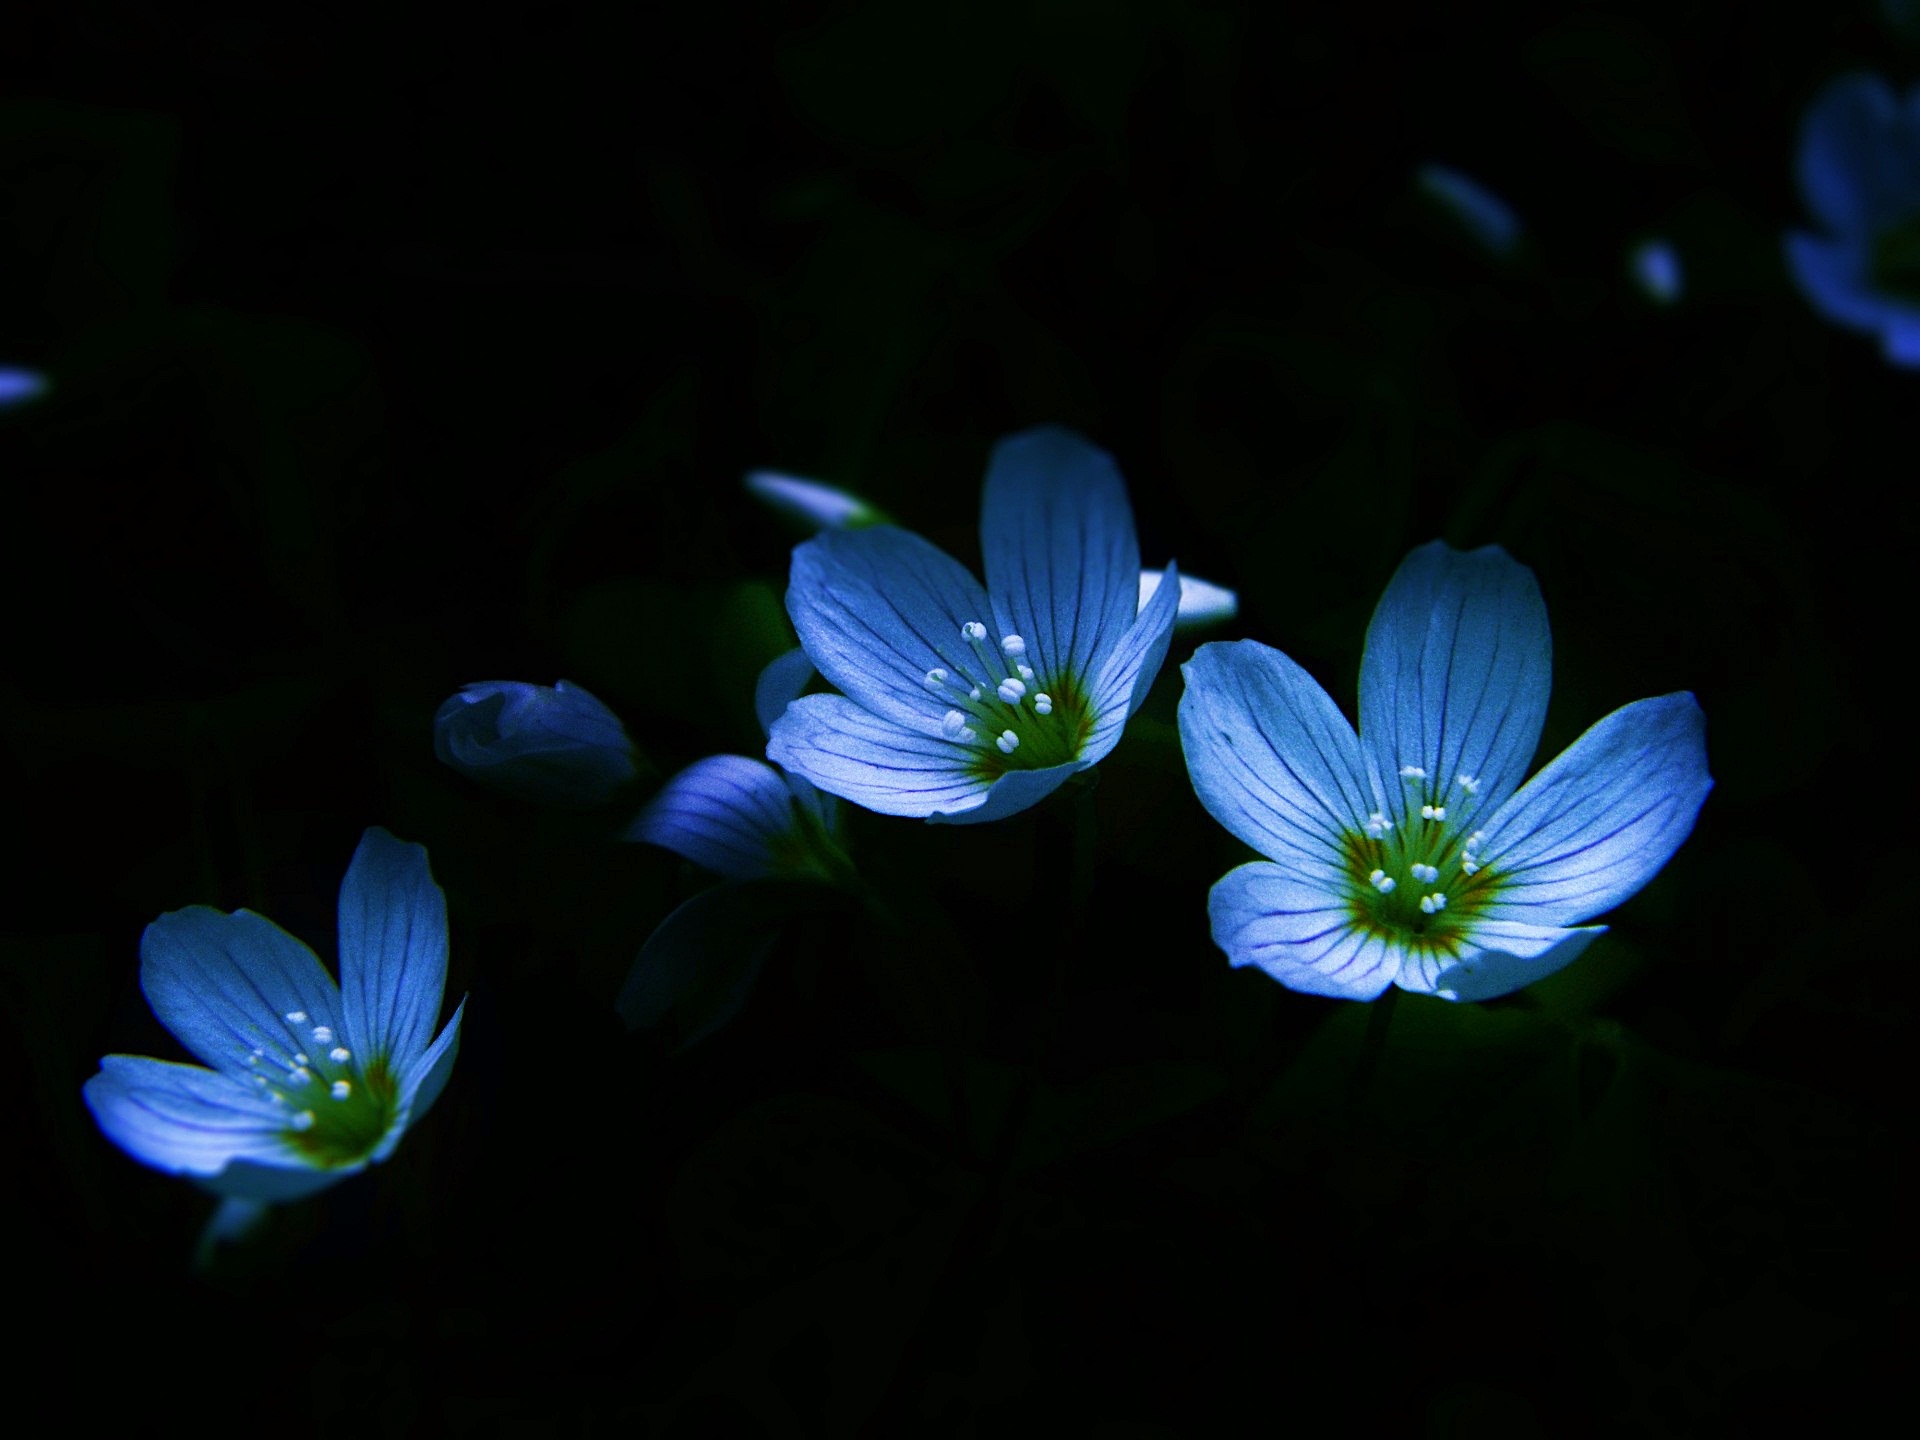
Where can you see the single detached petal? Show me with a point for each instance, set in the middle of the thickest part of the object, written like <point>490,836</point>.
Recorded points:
<point>554,746</point>
<point>877,609</point>
<point>1062,562</point>
<point>1128,672</point>
<point>733,815</point>
<point>1201,601</point>
<point>393,949</point>
<point>1599,822</point>
<point>784,680</point>
<point>1455,677</point>
<point>1013,792</point>
<point>872,761</point>
<point>1302,935</point>
<point>1272,758</point>
<point>232,985</point>
<point>1504,957</point>
<point>1481,213</point>
<point>184,1119</point>
<point>809,503</point>
<point>1858,163</point>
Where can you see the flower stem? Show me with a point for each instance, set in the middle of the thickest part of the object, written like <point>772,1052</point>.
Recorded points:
<point>1372,1045</point>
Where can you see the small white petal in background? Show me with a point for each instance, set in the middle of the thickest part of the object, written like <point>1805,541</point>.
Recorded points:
<point>18,386</point>
<point>1201,601</point>
<point>810,503</point>
<point>1656,270</point>
<point>1482,214</point>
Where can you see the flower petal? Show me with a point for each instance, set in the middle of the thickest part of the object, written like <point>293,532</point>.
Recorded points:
<point>811,504</point>
<point>1455,675</point>
<point>1481,213</point>
<point>873,761</point>
<point>1127,674</point>
<point>1302,935</point>
<point>1505,957</point>
<point>1011,793</point>
<point>1201,601</point>
<point>393,949</point>
<point>725,812</point>
<point>1600,821</point>
<point>185,1119</point>
<point>784,680</point>
<point>1832,274</point>
<point>554,745</point>
<point>422,1082</point>
<point>1272,758</point>
<point>228,985</point>
<point>1857,163</point>
<point>877,609</point>
<point>1063,566</point>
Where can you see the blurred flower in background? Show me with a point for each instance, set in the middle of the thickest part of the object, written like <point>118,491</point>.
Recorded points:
<point>1655,267</point>
<point>553,745</point>
<point>810,504</point>
<point>18,386</point>
<point>1410,854</point>
<point>1488,219</point>
<point>309,1081</point>
<point>1859,172</point>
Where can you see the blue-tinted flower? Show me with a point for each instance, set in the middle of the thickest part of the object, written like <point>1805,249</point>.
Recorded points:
<point>1656,270</point>
<point>1481,213</point>
<point>1410,854</point>
<point>742,818</point>
<point>553,745</point>
<point>18,386</point>
<point>962,703</point>
<point>1859,166</point>
<point>1202,602</point>
<point>310,1081</point>
<point>811,504</point>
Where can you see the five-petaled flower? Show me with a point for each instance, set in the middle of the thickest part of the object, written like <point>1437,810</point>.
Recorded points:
<point>1859,165</point>
<point>966,704</point>
<point>310,1081</point>
<point>1410,854</point>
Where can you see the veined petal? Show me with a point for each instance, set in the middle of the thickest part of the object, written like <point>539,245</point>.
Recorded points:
<point>1271,756</point>
<point>1062,562</point>
<point>725,812</point>
<point>877,609</point>
<point>228,985</point>
<point>1599,822</point>
<point>1127,673</point>
<point>1858,166</point>
<point>393,949</point>
<point>1302,935</point>
<point>185,1119</point>
<point>783,681</point>
<point>1455,676</point>
<point>1500,957</point>
<point>1011,793</point>
<point>422,1081</point>
<point>870,759</point>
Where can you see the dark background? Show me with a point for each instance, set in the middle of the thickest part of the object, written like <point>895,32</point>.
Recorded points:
<point>388,357</point>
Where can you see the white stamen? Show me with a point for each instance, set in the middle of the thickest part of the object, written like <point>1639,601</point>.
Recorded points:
<point>341,1089</point>
<point>974,693</point>
<point>323,1034</point>
<point>973,630</point>
<point>297,1017</point>
<point>969,734</point>
<point>339,1054</point>
<point>261,1081</point>
<point>299,1075</point>
<point>1381,881</point>
<point>1026,672</point>
<point>1426,874</point>
<point>256,1057</point>
<point>1011,690</point>
<point>300,1057</point>
<point>1412,772</point>
<point>1378,825</point>
<point>1433,812</point>
<point>953,724</point>
<point>1008,742</point>
<point>1014,645</point>
<point>1434,903</point>
<point>1468,865</point>
<point>275,1096</point>
<point>304,1120</point>
<point>936,680</point>
<point>1468,784</point>
<point>1043,703</point>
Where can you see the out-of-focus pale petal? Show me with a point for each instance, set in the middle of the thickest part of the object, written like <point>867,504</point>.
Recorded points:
<point>1656,269</point>
<point>1201,601</point>
<point>1302,935</point>
<point>1481,213</point>
<point>811,504</point>
<point>1454,681</point>
<point>1127,674</point>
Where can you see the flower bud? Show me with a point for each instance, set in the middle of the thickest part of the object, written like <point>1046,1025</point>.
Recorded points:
<point>554,745</point>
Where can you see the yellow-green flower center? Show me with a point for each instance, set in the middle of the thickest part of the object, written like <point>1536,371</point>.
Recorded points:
<point>1008,716</point>
<point>1422,881</point>
<point>338,1105</point>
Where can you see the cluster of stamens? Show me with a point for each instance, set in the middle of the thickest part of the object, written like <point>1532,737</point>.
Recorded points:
<point>317,1085</point>
<point>993,708</point>
<point>1428,852</point>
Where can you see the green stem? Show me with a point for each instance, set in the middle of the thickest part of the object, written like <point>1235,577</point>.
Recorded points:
<point>1372,1046</point>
